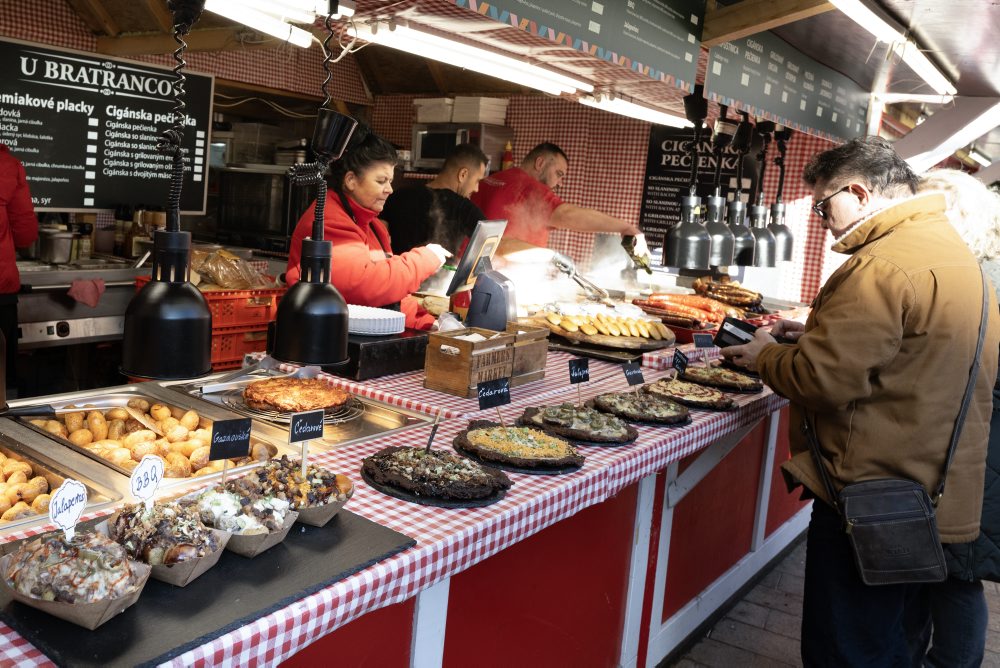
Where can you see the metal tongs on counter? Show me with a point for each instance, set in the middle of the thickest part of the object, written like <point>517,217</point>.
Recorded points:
<point>568,267</point>
<point>244,376</point>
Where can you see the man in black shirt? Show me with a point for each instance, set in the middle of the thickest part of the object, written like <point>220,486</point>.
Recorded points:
<point>439,211</point>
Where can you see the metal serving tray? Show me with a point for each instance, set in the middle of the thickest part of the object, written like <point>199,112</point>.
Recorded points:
<point>360,419</point>
<point>98,496</point>
<point>116,397</point>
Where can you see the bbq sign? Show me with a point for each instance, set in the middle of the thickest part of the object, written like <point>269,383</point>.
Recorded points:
<point>146,478</point>
<point>230,438</point>
<point>494,393</point>
<point>579,371</point>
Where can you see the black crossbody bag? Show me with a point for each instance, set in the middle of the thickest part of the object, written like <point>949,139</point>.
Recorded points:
<point>891,522</point>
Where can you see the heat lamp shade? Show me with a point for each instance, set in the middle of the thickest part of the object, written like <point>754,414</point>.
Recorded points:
<point>311,325</point>
<point>783,240</point>
<point>688,246</point>
<point>168,333</point>
<point>743,240</point>
<point>723,240</point>
<point>765,247</point>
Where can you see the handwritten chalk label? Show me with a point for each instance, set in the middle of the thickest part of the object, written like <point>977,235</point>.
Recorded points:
<point>703,340</point>
<point>306,426</point>
<point>493,393</point>
<point>146,478</point>
<point>680,361</point>
<point>230,438</point>
<point>633,373</point>
<point>66,506</point>
<point>579,371</point>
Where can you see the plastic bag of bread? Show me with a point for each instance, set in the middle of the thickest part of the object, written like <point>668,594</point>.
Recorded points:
<point>231,272</point>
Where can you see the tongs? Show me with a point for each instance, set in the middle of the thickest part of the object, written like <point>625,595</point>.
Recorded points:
<point>243,376</point>
<point>566,266</point>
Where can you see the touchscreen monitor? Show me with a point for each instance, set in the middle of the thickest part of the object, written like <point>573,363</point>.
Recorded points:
<point>482,244</point>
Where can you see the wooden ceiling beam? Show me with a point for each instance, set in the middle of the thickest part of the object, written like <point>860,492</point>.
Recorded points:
<point>164,18</point>
<point>96,16</point>
<point>211,39</point>
<point>725,24</point>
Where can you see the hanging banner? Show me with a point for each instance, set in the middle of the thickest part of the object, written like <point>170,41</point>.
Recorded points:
<point>660,39</point>
<point>85,127</point>
<point>668,174</point>
<point>766,77</point>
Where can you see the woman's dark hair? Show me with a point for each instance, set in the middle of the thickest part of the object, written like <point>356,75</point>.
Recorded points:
<point>364,150</point>
<point>870,159</point>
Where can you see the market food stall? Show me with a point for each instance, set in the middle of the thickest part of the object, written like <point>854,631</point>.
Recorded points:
<point>578,550</point>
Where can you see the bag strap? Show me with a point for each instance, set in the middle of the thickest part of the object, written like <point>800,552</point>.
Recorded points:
<point>967,399</point>
<point>956,431</point>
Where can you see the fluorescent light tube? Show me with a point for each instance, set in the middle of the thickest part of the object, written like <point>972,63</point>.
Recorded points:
<point>907,49</point>
<point>869,20</point>
<point>925,69</point>
<point>979,157</point>
<point>260,22</point>
<point>619,106</point>
<point>470,57</point>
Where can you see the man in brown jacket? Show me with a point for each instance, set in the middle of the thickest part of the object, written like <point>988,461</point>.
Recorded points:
<point>879,368</point>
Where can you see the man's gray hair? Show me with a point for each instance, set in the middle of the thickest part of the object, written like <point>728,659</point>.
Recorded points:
<point>869,160</point>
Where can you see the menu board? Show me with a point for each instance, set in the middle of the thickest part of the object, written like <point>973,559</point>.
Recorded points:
<point>85,128</point>
<point>763,75</point>
<point>658,38</point>
<point>668,174</point>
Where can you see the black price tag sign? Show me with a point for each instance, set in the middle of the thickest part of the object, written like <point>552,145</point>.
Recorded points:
<point>579,371</point>
<point>633,373</point>
<point>230,438</point>
<point>494,393</point>
<point>306,426</point>
<point>680,361</point>
<point>703,341</point>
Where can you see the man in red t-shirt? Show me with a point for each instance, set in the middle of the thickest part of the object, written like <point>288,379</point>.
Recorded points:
<point>525,197</point>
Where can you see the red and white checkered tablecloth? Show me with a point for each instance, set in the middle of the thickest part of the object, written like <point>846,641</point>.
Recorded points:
<point>407,389</point>
<point>449,541</point>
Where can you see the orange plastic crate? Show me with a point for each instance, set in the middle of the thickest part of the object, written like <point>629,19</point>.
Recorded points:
<point>231,343</point>
<point>235,308</point>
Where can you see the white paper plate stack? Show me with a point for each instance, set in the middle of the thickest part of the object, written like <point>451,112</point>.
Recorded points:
<point>370,321</point>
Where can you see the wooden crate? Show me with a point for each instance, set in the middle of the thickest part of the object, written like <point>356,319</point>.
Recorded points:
<point>531,348</point>
<point>456,366</point>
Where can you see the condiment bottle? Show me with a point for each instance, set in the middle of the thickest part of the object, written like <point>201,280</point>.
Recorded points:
<point>507,161</point>
<point>84,248</point>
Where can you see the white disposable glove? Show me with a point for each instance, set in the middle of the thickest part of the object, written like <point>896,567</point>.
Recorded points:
<point>441,252</point>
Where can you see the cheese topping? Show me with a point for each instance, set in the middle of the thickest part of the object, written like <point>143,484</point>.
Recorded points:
<point>520,442</point>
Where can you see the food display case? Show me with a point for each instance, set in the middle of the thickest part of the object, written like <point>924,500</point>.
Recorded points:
<point>359,419</point>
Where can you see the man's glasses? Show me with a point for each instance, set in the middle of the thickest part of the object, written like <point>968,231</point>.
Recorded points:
<point>819,208</point>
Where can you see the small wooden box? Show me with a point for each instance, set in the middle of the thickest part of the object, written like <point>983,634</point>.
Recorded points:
<point>457,366</point>
<point>531,348</point>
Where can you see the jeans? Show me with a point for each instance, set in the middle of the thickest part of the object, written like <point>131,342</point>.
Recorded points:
<point>848,623</point>
<point>960,615</point>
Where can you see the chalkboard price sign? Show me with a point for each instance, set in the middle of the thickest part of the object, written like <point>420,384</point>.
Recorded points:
<point>230,439</point>
<point>579,371</point>
<point>493,393</point>
<point>633,373</point>
<point>85,127</point>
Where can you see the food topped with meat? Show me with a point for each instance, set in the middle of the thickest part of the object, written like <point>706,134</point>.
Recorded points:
<point>282,478</point>
<point>241,509</point>
<point>167,534</point>
<point>90,568</point>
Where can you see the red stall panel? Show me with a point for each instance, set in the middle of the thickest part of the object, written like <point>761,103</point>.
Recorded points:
<point>554,599</point>
<point>713,524</point>
<point>782,504</point>
<point>380,639</point>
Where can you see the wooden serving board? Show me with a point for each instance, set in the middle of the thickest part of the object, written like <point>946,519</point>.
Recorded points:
<point>606,340</point>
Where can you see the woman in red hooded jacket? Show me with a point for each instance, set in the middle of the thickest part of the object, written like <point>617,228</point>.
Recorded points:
<point>18,228</point>
<point>362,265</point>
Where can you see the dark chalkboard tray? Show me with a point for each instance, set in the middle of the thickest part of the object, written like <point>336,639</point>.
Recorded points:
<point>168,621</point>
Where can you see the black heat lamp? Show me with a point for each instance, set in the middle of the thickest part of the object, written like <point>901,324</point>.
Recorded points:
<point>723,240</point>
<point>736,210</point>
<point>168,326</point>
<point>782,235</point>
<point>764,255</point>
<point>688,245</point>
<point>312,319</point>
